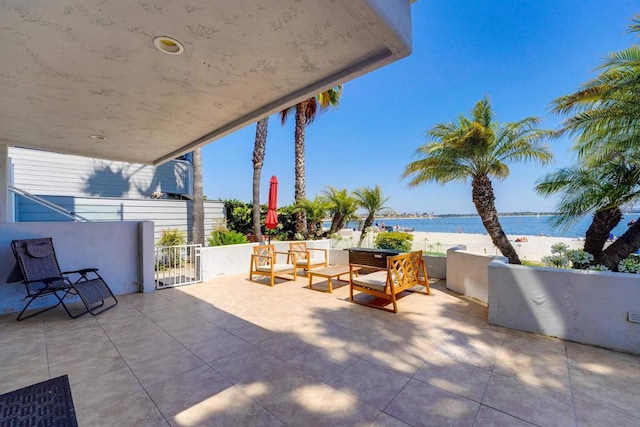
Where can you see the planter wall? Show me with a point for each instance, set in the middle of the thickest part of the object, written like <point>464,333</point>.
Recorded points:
<point>436,266</point>
<point>589,307</point>
<point>467,272</point>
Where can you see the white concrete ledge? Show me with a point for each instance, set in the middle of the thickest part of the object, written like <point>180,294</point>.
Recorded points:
<point>467,272</point>
<point>589,307</point>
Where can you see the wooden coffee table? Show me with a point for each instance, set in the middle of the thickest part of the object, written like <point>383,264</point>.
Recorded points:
<point>331,272</point>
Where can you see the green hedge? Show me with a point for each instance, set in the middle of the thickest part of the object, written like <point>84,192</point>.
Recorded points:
<point>394,240</point>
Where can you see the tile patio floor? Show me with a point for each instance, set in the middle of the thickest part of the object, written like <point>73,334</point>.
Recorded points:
<point>234,353</point>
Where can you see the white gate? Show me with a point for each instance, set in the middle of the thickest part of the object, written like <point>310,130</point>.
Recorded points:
<point>177,265</point>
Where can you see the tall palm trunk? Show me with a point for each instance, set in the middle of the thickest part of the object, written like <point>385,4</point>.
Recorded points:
<point>603,222</point>
<point>624,246</point>
<point>197,233</point>
<point>300,184</point>
<point>258,160</point>
<point>336,224</point>
<point>367,223</point>
<point>483,199</point>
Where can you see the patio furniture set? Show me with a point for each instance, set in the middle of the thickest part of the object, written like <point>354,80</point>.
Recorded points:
<point>387,275</point>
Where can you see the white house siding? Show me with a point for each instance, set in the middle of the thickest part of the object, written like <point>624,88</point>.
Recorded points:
<point>164,213</point>
<point>45,173</point>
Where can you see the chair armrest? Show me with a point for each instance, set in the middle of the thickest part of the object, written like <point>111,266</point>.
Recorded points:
<point>287,254</point>
<point>83,271</point>
<point>320,250</point>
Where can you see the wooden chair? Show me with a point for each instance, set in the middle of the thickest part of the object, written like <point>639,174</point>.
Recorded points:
<point>264,263</point>
<point>403,272</point>
<point>301,256</point>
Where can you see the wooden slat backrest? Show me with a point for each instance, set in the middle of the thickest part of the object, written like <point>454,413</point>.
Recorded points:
<point>403,271</point>
<point>299,250</point>
<point>264,255</point>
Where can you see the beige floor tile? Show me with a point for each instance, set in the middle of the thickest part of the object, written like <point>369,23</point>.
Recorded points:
<point>373,385</point>
<point>472,348</point>
<point>464,380</point>
<point>279,385</point>
<point>148,303</point>
<point>135,409</point>
<point>68,350</point>
<point>285,347</point>
<point>254,334</point>
<point>182,392</point>
<point>23,378</point>
<point>590,414</point>
<point>614,386</point>
<point>329,362</point>
<point>88,368</point>
<point>192,329</point>
<point>419,404</point>
<point>541,370</point>
<point>489,417</point>
<point>404,359</point>
<point>226,321</point>
<point>224,345</point>
<point>16,349</point>
<point>318,404</point>
<point>164,366</point>
<point>385,420</point>
<point>323,363</point>
<point>112,387</point>
<point>536,405</point>
<point>246,365</point>
<point>167,313</point>
<point>587,356</point>
<point>229,408</point>
<point>23,363</point>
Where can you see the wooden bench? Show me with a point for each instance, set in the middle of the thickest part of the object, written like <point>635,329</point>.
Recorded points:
<point>403,272</point>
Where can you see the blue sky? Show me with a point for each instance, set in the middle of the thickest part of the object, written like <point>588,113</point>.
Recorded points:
<point>523,54</point>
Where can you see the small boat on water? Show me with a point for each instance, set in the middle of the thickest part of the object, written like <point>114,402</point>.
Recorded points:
<point>399,228</point>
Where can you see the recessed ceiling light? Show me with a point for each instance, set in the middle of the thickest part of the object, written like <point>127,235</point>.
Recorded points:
<point>168,45</point>
<point>98,137</point>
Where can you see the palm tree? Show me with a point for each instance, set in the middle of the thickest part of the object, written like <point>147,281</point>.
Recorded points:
<point>480,148</point>
<point>197,233</point>
<point>605,117</point>
<point>305,112</point>
<point>599,190</point>
<point>259,147</point>
<point>605,114</point>
<point>341,206</point>
<point>315,211</point>
<point>372,201</point>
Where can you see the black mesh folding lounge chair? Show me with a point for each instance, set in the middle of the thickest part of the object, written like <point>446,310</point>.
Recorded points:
<point>42,277</point>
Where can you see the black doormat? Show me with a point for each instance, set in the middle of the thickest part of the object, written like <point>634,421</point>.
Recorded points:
<point>48,403</point>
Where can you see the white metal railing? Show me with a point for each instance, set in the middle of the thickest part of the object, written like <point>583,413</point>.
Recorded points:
<point>177,265</point>
<point>47,204</point>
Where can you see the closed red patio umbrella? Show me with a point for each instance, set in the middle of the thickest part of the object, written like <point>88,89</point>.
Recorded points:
<point>272,215</point>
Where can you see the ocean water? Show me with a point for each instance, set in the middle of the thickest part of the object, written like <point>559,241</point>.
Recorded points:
<point>512,225</point>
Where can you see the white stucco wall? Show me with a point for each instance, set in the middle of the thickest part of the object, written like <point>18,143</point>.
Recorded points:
<point>589,307</point>
<point>234,259</point>
<point>467,272</point>
<point>338,257</point>
<point>112,247</point>
<point>436,266</point>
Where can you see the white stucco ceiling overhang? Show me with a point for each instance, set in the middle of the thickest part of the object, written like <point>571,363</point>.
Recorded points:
<point>71,69</point>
